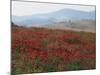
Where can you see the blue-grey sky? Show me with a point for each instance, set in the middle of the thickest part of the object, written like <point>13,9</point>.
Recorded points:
<point>29,8</point>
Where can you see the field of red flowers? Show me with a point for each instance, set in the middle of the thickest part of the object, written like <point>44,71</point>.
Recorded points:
<point>36,50</point>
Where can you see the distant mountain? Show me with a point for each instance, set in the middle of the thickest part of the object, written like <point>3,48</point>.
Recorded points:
<point>49,18</point>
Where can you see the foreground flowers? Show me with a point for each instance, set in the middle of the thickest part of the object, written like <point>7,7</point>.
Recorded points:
<point>46,50</point>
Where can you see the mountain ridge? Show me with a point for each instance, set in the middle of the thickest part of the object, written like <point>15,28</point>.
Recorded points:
<point>47,18</point>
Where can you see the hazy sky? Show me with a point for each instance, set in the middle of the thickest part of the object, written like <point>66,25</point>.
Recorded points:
<point>29,8</point>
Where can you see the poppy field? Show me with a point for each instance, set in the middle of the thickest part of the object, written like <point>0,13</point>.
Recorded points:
<point>36,50</point>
